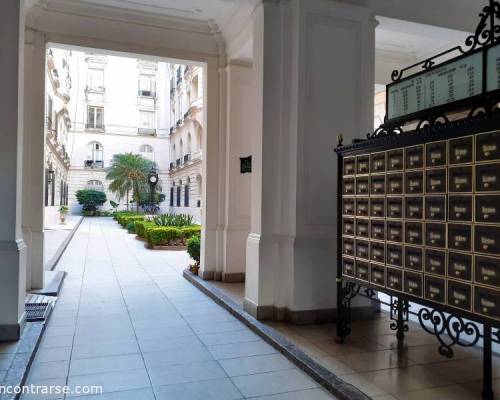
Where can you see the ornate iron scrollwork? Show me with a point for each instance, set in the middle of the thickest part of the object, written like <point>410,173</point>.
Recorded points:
<point>399,316</point>
<point>487,33</point>
<point>450,330</point>
<point>496,335</point>
<point>385,130</point>
<point>348,292</point>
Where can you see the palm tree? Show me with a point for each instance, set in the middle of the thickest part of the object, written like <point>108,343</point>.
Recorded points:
<point>128,172</point>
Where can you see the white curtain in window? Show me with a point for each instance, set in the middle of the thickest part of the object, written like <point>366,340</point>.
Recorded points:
<point>96,78</point>
<point>147,119</point>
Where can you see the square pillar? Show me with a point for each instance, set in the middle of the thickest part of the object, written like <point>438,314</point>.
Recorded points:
<point>12,247</point>
<point>34,157</point>
<point>314,70</point>
<point>240,128</point>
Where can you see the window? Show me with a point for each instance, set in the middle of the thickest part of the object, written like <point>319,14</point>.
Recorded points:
<point>95,79</point>
<point>95,155</point>
<point>95,117</point>
<point>95,185</point>
<point>186,195</point>
<point>146,148</point>
<point>171,197</point>
<point>50,111</point>
<point>147,119</point>
<point>147,151</point>
<point>147,85</point>
<point>178,196</point>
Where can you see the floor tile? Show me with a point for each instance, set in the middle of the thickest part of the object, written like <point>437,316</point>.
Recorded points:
<point>192,372</point>
<point>235,350</point>
<point>310,394</point>
<point>255,364</point>
<point>273,382</point>
<point>219,389</point>
<point>87,366</point>
<point>113,381</point>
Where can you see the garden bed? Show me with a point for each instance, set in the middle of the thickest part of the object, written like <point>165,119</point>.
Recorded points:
<point>171,248</point>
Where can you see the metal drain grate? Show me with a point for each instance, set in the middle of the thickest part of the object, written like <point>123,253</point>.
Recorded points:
<point>38,307</point>
<point>36,311</point>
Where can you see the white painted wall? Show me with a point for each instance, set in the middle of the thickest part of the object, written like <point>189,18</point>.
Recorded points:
<point>241,126</point>
<point>122,117</point>
<point>306,95</point>
<point>12,245</point>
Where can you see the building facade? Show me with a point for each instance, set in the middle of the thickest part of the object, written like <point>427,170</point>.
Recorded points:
<point>58,85</point>
<point>119,105</point>
<point>186,137</point>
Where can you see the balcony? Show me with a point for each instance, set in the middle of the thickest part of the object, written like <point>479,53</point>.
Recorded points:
<point>96,89</point>
<point>179,123</point>
<point>187,158</point>
<point>146,93</point>
<point>95,126</point>
<point>178,162</point>
<point>146,131</point>
<point>93,164</point>
<point>172,166</point>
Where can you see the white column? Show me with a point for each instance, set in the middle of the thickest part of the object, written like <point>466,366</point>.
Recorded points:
<point>314,64</point>
<point>240,129</point>
<point>34,157</point>
<point>12,247</point>
<point>211,174</point>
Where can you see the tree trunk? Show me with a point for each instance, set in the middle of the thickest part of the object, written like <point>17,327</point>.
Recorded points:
<point>128,190</point>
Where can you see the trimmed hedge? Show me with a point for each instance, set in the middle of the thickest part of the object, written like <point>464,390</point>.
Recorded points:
<point>170,236</point>
<point>164,236</point>
<point>141,228</point>
<point>193,248</point>
<point>189,231</point>
<point>131,227</point>
<point>125,219</point>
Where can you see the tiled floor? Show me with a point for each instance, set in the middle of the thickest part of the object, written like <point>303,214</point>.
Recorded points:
<point>54,237</point>
<point>127,320</point>
<point>370,361</point>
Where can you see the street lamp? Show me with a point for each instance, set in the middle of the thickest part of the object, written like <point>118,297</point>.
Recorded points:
<point>153,181</point>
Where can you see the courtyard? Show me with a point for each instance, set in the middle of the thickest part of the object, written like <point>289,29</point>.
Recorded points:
<point>128,321</point>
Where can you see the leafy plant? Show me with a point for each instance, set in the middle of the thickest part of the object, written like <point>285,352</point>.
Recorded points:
<point>145,198</point>
<point>164,236</point>
<point>114,205</point>
<point>194,248</point>
<point>178,220</point>
<point>131,227</point>
<point>129,173</point>
<point>142,226</point>
<point>63,209</point>
<point>91,200</point>
<point>189,231</point>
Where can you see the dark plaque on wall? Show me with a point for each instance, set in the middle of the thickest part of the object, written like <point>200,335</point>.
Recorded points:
<point>245,164</point>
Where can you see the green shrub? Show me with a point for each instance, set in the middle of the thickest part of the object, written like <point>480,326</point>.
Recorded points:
<point>90,200</point>
<point>125,220</point>
<point>178,220</point>
<point>193,248</point>
<point>131,227</point>
<point>189,231</point>
<point>165,236</point>
<point>141,228</point>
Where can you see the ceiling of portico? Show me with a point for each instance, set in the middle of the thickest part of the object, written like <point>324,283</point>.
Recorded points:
<point>401,43</point>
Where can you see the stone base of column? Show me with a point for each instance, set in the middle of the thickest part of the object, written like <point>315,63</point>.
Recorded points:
<point>305,317</point>
<point>233,277</point>
<point>10,332</point>
<point>206,275</point>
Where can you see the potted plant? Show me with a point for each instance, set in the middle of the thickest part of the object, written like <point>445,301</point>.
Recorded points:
<point>63,211</point>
